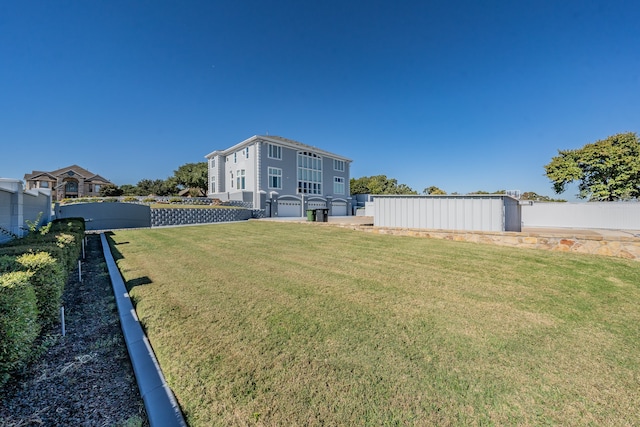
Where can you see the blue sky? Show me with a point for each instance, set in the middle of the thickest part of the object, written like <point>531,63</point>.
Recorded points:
<point>464,95</point>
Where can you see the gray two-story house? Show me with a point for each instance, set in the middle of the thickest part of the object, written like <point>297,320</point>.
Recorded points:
<point>281,176</point>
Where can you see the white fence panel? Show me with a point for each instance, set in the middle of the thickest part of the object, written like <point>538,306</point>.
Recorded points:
<point>604,215</point>
<point>447,212</point>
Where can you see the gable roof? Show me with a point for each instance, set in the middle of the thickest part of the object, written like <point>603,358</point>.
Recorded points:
<point>77,170</point>
<point>285,142</point>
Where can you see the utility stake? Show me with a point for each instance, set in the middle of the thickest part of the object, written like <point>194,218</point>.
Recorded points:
<point>83,247</point>
<point>80,271</point>
<point>64,331</point>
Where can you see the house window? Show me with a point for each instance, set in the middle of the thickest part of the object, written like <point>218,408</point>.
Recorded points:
<point>44,184</point>
<point>231,179</point>
<point>235,157</point>
<point>71,187</point>
<point>275,178</point>
<point>338,165</point>
<point>212,163</point>
<point>338,185</point>
<point>246,152</point>
<point>213,184</point>
<point>240,179</point>
<point>275,152</point>
<point>309,173</point>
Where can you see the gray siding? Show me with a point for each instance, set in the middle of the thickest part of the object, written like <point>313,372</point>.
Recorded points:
<point>256,167</point>
<point>490,213</point>
<point>108,215</point>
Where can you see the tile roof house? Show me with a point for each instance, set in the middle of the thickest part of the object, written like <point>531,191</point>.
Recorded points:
<point>281,176</point>
<point>68,182</point>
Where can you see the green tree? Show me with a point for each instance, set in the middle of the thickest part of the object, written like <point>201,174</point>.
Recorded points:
<point>531,195</point>
<point>606,170</point>
<point>110,190</point>
<point>129,190</point>
<point>192,175</point>
<point>378,184</point>
<point>157,187</point>
<point>433,191</point>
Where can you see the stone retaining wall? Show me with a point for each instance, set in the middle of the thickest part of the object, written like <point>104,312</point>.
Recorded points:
<point>620,247</point>
<point>178,216</point>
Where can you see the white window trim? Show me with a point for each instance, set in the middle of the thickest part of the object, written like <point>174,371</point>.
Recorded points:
<point>270,175</point>
<point>339,180</point>
<point>337,162</point>
<point>278,150</point>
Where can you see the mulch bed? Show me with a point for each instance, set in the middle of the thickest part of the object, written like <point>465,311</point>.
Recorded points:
<point>84,378</point>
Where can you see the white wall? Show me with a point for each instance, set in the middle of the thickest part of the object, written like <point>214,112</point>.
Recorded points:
<point>18,206</point>
<point>478,213</point>
<point>606,215</point>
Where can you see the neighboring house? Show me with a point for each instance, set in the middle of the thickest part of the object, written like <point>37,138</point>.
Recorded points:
<point>281,176</point>
<point>70,182</point>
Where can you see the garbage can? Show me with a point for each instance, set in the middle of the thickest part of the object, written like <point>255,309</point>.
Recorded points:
<point>311,215</point>
<point>322,215</point>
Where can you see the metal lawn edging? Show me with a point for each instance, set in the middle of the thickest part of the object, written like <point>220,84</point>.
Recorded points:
<point>160,403</point>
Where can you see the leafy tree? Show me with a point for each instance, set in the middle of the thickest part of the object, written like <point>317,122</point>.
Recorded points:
<point>433,191</point>
<point>110,190</point>
<point>192,175</point>
<point>606,170</point>
<point>129,190</point>
<point>530,195</point>
<point>156,187</point>
<point>378,184</point>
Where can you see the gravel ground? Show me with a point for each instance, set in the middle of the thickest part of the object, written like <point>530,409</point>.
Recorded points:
<point>84,378</point>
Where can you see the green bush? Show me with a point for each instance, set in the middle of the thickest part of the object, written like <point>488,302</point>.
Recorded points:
<point>175,200</point>
<point>69,225</point>
<point>19,326</point>
<point>56,252</point>
<point>48,282</point>
<point>130,199</point>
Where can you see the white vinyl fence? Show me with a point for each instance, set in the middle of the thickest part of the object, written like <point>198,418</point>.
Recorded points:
<point>18,205</point>
<point>603,215</point>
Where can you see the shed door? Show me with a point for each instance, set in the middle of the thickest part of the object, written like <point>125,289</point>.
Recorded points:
<point>289,208</point>
<point>339,209</point>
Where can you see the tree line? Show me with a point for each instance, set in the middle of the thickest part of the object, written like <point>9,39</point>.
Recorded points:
<point>190,176</point>
<point>605,170</point>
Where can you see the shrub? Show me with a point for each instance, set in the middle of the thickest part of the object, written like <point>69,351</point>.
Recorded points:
<point>19,326</point>
<point>149,200</point>
<point>56,252</point>
<point>130,199</point>
<point>175,200</point>
<point>48,283</point>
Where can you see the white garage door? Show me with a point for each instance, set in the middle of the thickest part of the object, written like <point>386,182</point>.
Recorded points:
<point>339,209</point>
<point>317,205</point>
<point>289,208</point>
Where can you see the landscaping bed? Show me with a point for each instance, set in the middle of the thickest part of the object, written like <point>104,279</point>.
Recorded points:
<point>84,378</point>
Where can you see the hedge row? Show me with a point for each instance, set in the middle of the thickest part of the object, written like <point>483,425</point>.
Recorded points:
<point>33,272</point>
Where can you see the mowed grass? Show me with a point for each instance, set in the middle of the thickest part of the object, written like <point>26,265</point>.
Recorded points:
<point>263,323</point>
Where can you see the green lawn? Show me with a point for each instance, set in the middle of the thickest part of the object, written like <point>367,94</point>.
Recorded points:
<point>264,323</point>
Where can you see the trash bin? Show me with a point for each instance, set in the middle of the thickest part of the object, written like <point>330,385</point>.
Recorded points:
<point>322,215</point>
<point>311,215</point>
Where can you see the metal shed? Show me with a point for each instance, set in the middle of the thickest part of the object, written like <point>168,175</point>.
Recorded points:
<point>491,212</point>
